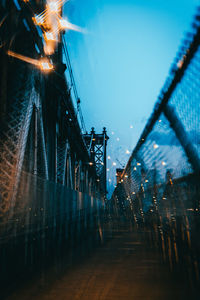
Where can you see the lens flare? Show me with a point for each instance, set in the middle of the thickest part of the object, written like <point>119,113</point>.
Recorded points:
<point>44,63</point>
<point>64,24</point>
<point>49,36</point>
<point>38,20</point>
<point>54,6</point>
<point>52,23</point>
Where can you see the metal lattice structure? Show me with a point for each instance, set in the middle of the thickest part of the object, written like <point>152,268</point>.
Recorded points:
<point>41,133</point>
<point>50,197</point>
<point>97,144</point>
<point>159,187</point>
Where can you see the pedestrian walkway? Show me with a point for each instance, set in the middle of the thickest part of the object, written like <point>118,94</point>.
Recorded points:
<point>125,268</point>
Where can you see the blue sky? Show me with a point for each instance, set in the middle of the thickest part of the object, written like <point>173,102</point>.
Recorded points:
<point>122,61</point>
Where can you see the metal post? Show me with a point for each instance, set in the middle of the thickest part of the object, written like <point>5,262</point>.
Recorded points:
<point>43,145</point>
<point>35,140</point>
<point>104,160</point>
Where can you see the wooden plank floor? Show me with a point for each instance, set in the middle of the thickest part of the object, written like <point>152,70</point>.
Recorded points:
<point>125,268</point>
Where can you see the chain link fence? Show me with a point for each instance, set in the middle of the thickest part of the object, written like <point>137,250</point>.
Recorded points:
<point>159,189</point>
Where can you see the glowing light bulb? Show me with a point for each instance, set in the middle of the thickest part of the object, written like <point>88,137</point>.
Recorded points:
<point>109,157</point>
<point>127,152</point>
<point>114,164</point>
<point>49,36</point>
<point>181,62</point>
<point>155,146</point>
<point>45,64</point>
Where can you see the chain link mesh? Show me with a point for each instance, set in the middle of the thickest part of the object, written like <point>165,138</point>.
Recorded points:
<point>159,188</point>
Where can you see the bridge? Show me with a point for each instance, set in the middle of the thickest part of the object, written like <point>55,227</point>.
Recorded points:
<point>143,242</point>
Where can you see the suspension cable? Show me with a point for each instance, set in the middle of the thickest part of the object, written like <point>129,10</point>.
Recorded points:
<point>73,84</point>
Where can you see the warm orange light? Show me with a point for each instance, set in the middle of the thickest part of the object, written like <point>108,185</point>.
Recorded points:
<point>54,6</point>
<point>22,57</point>
<point>52,23</point>
<point>49,36</point>
<point>181,62</point>
<point>49,47</point>
<point>44,64</point>
<point>38,20</point>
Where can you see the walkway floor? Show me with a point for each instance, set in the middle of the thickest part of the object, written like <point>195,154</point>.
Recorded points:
<point>125,268</point>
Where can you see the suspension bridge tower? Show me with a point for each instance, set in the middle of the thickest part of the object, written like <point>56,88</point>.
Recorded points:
<point>97,144</point>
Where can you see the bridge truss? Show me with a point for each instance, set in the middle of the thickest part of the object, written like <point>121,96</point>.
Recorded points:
<point>50,193</point>
<point>41,134</point>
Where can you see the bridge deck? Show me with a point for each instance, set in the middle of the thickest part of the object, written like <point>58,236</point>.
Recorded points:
<point>124,268</point>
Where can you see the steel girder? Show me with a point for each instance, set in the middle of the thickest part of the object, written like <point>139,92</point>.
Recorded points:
<point>40,133</point>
